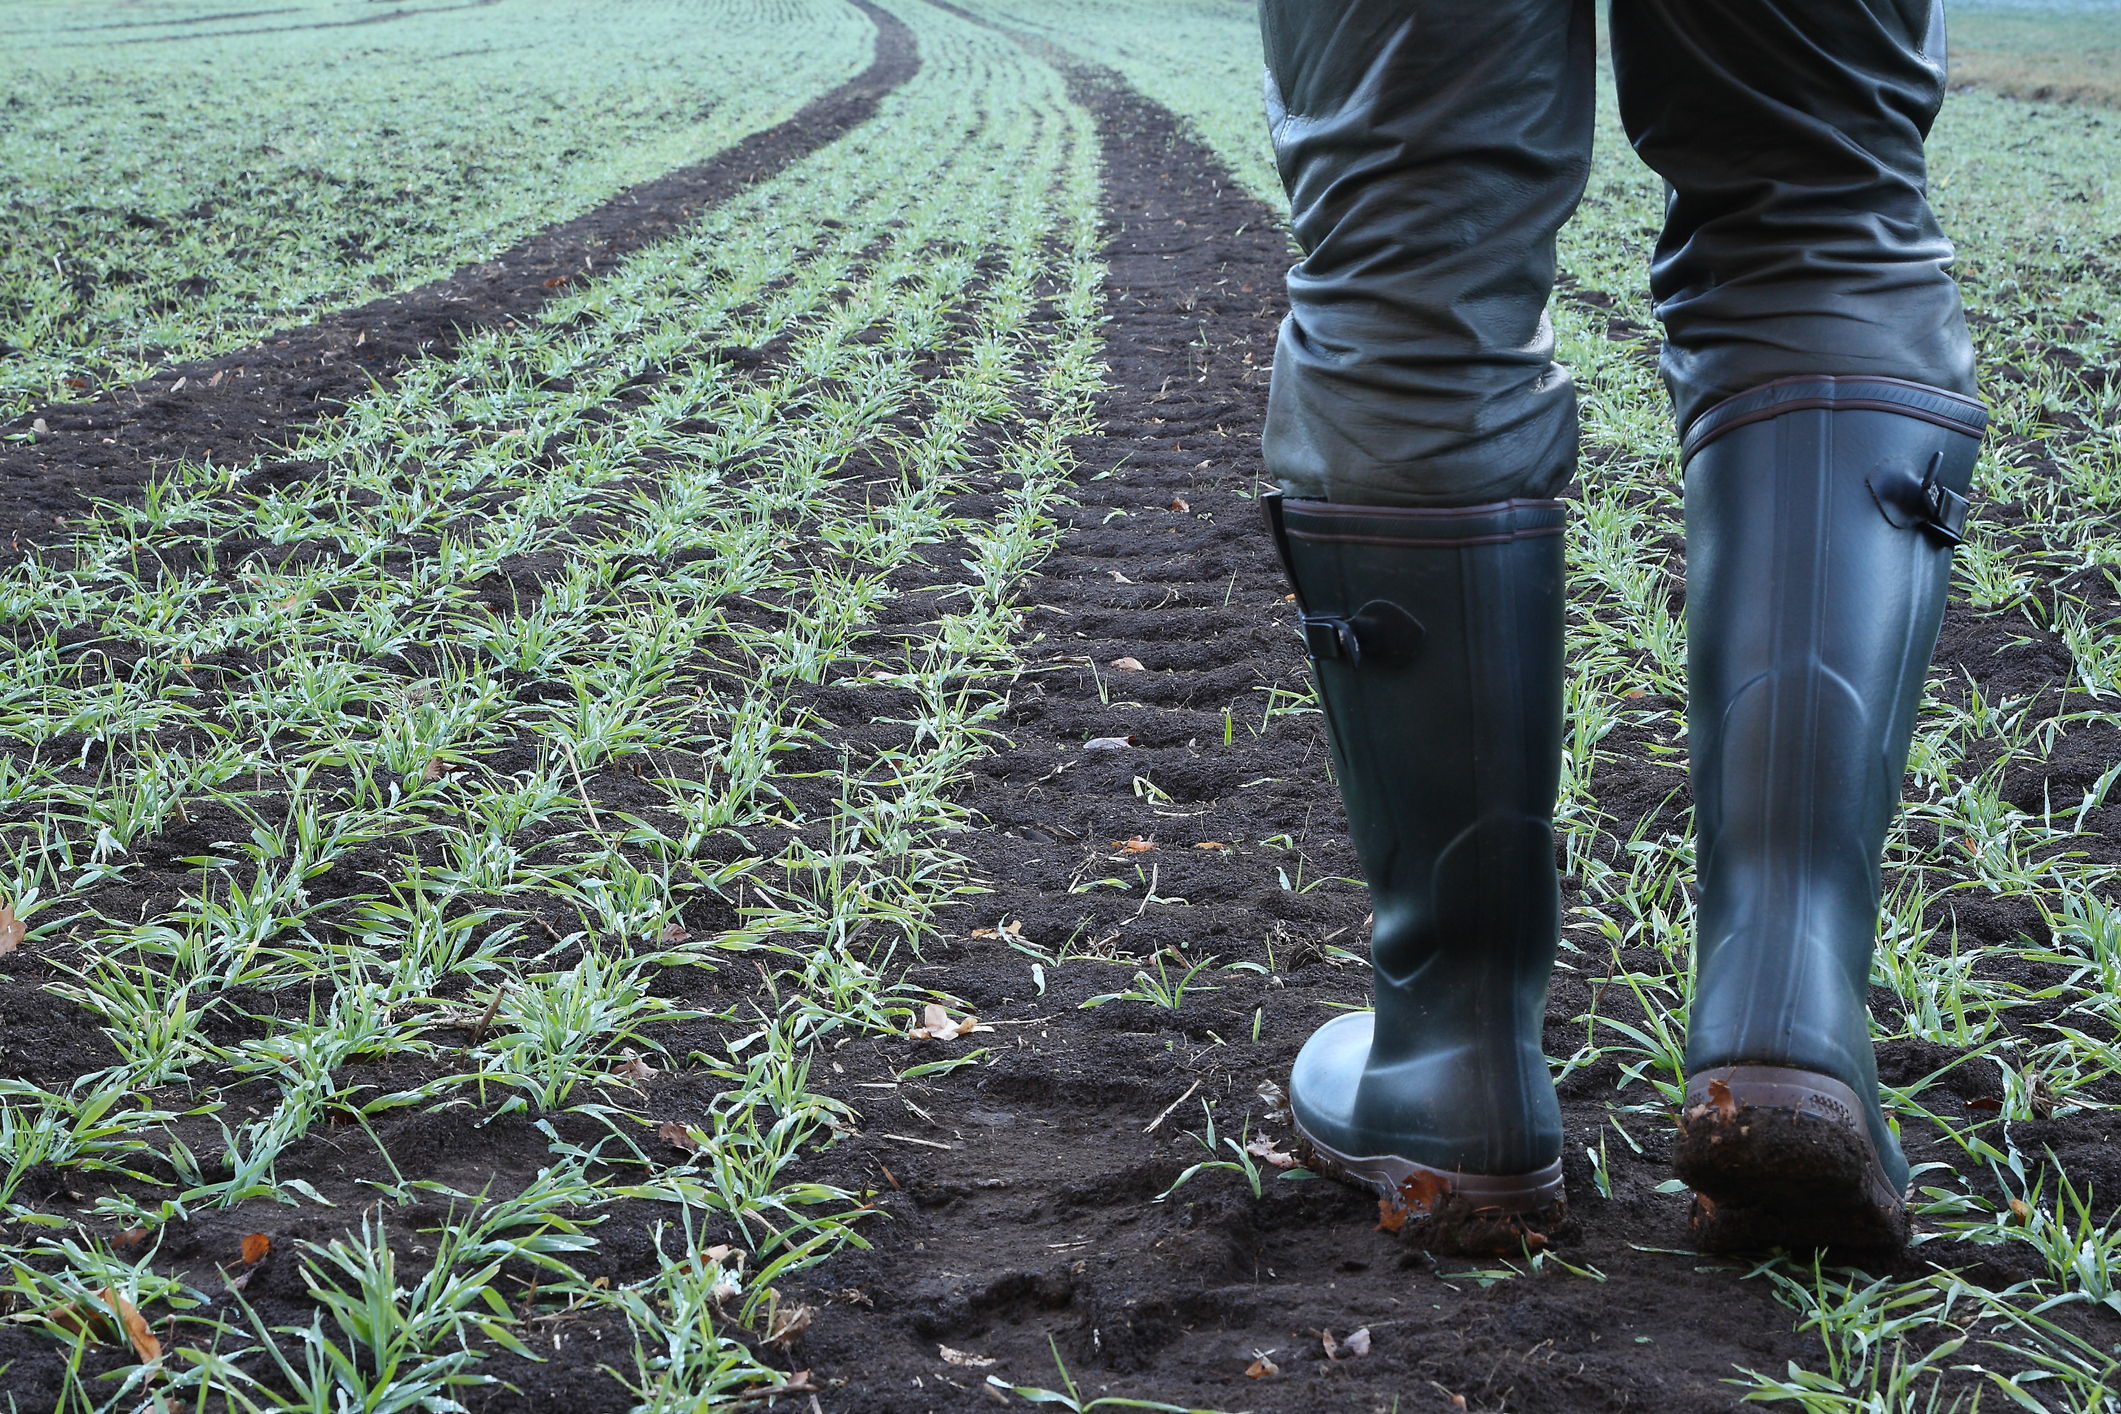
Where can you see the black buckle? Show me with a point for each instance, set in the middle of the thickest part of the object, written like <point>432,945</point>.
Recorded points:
<point>1908,501</point>
<point>1380,632</point>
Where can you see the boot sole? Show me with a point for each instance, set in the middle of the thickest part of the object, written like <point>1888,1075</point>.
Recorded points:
<point>1782,1158</point>
<point>1471,1213</point>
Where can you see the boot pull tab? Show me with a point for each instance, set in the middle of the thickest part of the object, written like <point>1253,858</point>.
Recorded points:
<point>1380,632</point>
<point>1909,501</point>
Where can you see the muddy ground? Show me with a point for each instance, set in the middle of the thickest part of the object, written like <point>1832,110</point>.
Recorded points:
<point>1017,1199</point>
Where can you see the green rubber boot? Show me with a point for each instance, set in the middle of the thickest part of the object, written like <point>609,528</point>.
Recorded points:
<point>1821,515</point>
<point>1436,642</point>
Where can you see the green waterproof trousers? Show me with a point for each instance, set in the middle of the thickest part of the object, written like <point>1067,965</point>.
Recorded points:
<point>1432,148</point>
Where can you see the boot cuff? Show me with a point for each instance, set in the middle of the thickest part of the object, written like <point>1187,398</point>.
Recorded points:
<point>1835,394</point>
<point>1446,527</point>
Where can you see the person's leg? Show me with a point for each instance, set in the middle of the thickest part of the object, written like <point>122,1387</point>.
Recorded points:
<point>1820,371</point>
<point>1419,426</point>
<point>1431,149</point>
<point>1797,237</point>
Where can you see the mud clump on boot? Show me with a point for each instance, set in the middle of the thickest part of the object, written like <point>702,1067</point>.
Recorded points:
<point>1427,1213</point>
<point>1776,1166</point>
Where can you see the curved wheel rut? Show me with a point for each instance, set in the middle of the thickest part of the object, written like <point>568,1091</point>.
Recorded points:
<point>246,403</point>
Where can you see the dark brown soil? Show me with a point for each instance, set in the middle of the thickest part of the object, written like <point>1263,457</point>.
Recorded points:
<point>1017,1199</point>
<point>250,403</point>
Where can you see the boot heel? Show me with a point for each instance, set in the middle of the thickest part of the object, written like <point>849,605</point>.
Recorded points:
<point>1783,1157</point>
<point>1477,1214</point>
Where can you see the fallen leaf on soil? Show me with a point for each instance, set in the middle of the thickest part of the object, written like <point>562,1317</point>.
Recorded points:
<point>1358,1343</point>
<point>255,1246</point>
<point>130,1237</point>
<point>1277,1102</point>
<point>1288,598</point>
<point>144,1343</point>
<point>1262,1148</point>
<point>1127,665</point>
<point>1118,578</point>
<point>1720,1097</point>
<point>936,1025</point>
<point>672,1132</point>
<point>1135,845</point>
<point>632,1067</point>
<point>1632,692</point>
<point>1178,503</point>
<point>1211,844</point>
<point>1108,743</point>
<point>1417,1194</point>
<point>675,933</point>
<point>965,1357</point>
<point>1984,1102</point>
<point>2020,1210</point>
<point>1332,1346</point>
<point>789,1325</point>
<point>12,929</point>
<point>1261,1367</point>
<point>69,1318</point>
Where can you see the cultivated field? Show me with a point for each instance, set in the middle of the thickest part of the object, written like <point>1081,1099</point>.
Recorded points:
<point>654,763</point>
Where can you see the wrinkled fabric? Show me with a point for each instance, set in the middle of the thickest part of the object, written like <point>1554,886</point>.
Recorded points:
<point>1432,148</point>
<point>1430,151</point>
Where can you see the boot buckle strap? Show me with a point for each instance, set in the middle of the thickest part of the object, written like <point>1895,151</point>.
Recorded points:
<point>1327,637</point>
<point>1380,631</point>
<point>1908,501</point>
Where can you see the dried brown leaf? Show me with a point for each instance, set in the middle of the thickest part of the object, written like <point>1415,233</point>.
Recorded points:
<point>1210,844</point>
<point>1136,845</point>
<point>1358,1343</point>
<point>1261,1367</point>
<point>1262,1148</point>
<point>789,1323</point>
<point>671,1132</point>
<point>965,1358</point>
<point>632,1066</point>
<point>674,933</point>
<point>143,1340</point>
<point>130,1237</point>
<point>1118,578</point>
<point>938,1025</point>
<point>1424,1191</point>
<point>12,929</point>
<point>255,1246</point>
<point>1127,665</point>
<point>1720,1097</point>
<point>1178,503</point>
<point>1332,1346</point>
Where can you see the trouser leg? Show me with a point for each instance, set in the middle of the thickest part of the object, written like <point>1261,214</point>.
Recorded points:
<point>1798,240</point>
<point>1431,149</point>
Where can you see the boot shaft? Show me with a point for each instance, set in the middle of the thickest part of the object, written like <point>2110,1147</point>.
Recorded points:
<point>1436,643</point>
<point>1820,519</point>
